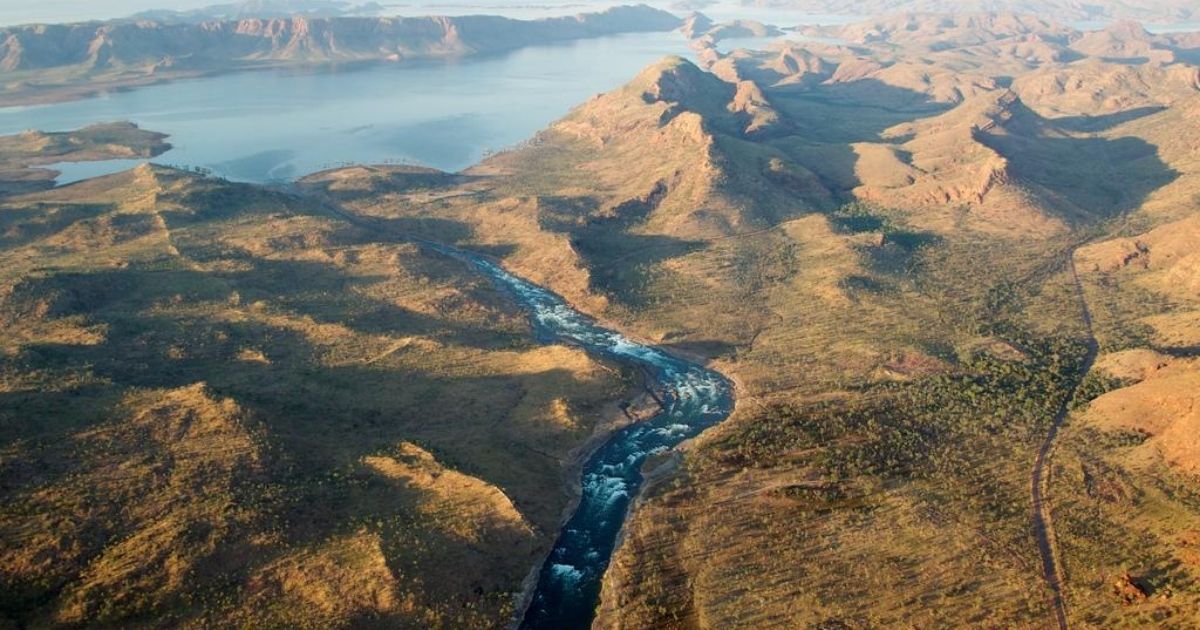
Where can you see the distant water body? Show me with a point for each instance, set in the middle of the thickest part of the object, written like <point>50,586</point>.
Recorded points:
<point>276,125</point>
<point>273,125</point>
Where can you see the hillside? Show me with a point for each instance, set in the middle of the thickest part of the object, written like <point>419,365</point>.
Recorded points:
<point>42,62</point>
<point>225,406</point>
<point>950,267</point>
<point>1130,458</point>
<point>872,240</point>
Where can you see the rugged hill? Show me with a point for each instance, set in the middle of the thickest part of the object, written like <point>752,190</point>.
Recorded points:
<point>647,190</point>
<point>1132,450</point>
<point>704,32</point>
<point>57,60</point>
<point>1095,88</point>
<point>960,29</point>
<point>224,406</point>
<point>1029,36</point>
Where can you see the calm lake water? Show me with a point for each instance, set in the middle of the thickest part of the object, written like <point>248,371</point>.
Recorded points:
<point>279,124</point>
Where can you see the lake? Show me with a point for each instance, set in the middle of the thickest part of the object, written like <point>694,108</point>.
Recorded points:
<point>273,125</point>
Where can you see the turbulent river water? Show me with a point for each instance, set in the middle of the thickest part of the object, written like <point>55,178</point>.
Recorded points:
<point>693,399</point>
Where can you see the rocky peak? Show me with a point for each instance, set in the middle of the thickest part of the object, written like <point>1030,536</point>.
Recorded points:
<point>1128,30</point>
<point>677,80</point>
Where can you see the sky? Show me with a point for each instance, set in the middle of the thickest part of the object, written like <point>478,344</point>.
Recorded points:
<point>25,11</point>
<point>51,11</point>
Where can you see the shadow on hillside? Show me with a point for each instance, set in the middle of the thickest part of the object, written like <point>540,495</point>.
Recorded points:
<point>318,421</point>
<point>618,260</point>
<point>311,293</point>
<point>24,224</point>
<point>622,264</point>
<point>1093,124</point>
<point>1082,178</point>
<point>437,229</point>
<point>394,180</point>
<point>325,398</point>
<point>823,120</point>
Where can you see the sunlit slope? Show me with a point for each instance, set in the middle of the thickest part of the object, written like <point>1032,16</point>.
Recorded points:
<point>223,406</point>
<point>874,241</point>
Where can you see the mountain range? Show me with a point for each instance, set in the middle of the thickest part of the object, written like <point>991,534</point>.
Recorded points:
<point>58,61</point>
<point>262,9</point>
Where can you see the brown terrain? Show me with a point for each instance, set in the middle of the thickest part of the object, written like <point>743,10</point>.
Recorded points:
<point>891,245</point>
<point>861,481</point>
<point>223,406</point>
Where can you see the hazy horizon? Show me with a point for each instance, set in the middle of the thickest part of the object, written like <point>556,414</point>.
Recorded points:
<point>82,10</point>
<point>60,11</point>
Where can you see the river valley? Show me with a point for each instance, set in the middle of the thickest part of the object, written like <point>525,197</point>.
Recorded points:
<point>693,399</point>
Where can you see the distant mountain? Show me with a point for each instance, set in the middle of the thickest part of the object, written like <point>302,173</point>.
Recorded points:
<point>263,9</point>
<point>223,42</point>
<point>91,56</point>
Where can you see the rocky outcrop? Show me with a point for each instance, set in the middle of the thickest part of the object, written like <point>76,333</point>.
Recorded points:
<point>701,29</point>
<point>757,112</point>
<point>1124,40</point>
<point>959,28</point>
<point>1128,590</point>
<point>695,25</point>
<point>1166,258</point>
<point>1065,10</point>
<point>1164,409</point>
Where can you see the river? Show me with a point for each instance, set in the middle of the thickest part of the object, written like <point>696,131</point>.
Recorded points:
<point>693,399</point>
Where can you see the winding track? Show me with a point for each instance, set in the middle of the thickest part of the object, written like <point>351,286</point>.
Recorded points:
<point>1042,521</point>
